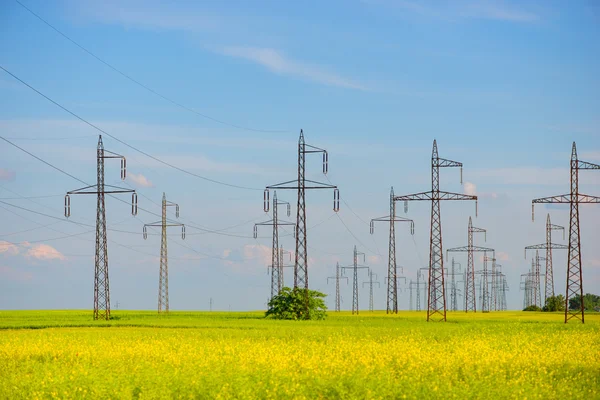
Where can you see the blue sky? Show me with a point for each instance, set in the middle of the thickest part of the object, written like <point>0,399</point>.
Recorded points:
<point>505,87</point>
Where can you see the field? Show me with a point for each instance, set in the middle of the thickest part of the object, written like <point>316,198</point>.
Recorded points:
<point>63,354</point>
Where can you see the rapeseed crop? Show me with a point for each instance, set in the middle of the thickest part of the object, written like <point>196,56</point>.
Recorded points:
<point>241,355</point>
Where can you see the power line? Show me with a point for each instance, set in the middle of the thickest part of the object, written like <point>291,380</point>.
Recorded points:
<point>147,88</point>
<point>121,141</point>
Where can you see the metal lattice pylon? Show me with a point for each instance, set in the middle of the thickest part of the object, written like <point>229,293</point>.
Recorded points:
<point>392,277</point>
<point>436,304</point>
<point>300,184</point>
<point>370,282</point>
<point>101,282</point>
<point>163,273</point>
<point>548,246</point>
<point>276,267</point>
<point>574,272</point>
<point>337,278</point>
<point>470,249</point>
<point>355,267</point>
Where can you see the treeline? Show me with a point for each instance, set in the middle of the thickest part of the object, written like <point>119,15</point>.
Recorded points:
<point>591,302</point>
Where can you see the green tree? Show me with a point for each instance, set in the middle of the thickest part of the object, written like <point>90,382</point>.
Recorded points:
<point>532,308</point>
<point>290,304</point>
<point>555,303</point>
<point>590,302</point>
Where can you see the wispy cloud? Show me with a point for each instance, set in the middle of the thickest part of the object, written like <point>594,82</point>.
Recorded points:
<point>8,248</point>
<point>44,252</point>
<point>455,10</point>
<point>278,63</point>
<point>139,180</point>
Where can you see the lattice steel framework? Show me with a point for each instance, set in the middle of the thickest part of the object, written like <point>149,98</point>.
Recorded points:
<point>470,249</point>
<point>528,286</point>
<point>392,276</point>
<point>574,272</point>
<point>454,290</point>
<point>548,246</point>
<point>371,282</point>
<point>300,184</point>
<point>355,267</point>
<point>436,304</point>
<point>163,274</point>
<point>337,278</point>
<point>503,290</point>
<point>101,282</point>
<point>276,267</point>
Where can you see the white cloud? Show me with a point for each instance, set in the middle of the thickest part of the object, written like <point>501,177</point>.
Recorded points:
<point>470,188</point>
<point>8,248</point>
<point>44,252</point>
<point>7,174</point>
<point>461,9</point>
<point>139,180</point>
<point>276,62</point>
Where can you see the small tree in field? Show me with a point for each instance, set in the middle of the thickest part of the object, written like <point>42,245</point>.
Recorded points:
<point>532,308</point>
<point>555,303</point>
<point>290,304</point>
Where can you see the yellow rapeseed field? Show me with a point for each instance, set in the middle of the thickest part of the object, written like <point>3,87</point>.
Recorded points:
<point>242,355</point>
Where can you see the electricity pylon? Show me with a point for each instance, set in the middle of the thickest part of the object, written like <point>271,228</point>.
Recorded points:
<point>101,283</point>
<point>496,285</point>
<point>528,286</point>
<point>392,276</point>
<point>163,275</point>
<point>485,274</point>
<point>453,288</point>
<point>276,260</point>
<point>301,262</point>
<point>548,246</point>
<point>355,267</point>
<point>436,304</point>
<point>337,278</point>
<point>371,282</point>
<point>470,304</point>
<point>574,272</point>
<point>503,290</point>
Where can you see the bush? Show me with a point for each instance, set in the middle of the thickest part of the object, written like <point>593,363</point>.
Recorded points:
<point>555,303</point>
<point>590,302</point>
<point>291,304</point>
<point>532,308</point>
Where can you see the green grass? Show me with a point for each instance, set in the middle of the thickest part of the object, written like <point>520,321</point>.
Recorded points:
<point>64,354</point>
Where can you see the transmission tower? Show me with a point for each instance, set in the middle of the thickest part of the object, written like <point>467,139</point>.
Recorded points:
<point>355,267</point>
<point>371,282</point>
<point>503,290</point>
<point>453,287</point>
<point>496,286</point>
<point>392,276</point>
<point>301,262</point>
<point>163,275</point>
<point>337,278</point>
<point>548,246</point>
<point>276,266</point>
<point>470,249</point>
<point>101,286</point>
<point>485,292</point>
<point>436,305</point>
<point>528,285</point>
<point>574,273</point>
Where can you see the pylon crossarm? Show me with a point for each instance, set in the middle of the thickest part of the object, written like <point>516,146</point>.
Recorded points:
<point>586,165</point>
<point>562,198</point>
<point>415,197</point>
<point>112,155</point>
<point>455,196</point>
<point>444,163</point>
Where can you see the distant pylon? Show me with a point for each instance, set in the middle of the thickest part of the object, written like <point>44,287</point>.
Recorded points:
<point>436,304</point>
<point>392,277</point>
<point>470,249</point>
<point>548,246</point>
<point>276,267</point>
<point>453,288</point>
<point>371,282</point>
<point>301,254</point>
<point>163,275</point>
<point>355,267</point>
<point>337,278</point>
<point>574,272</point>
<point>101,282</point>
